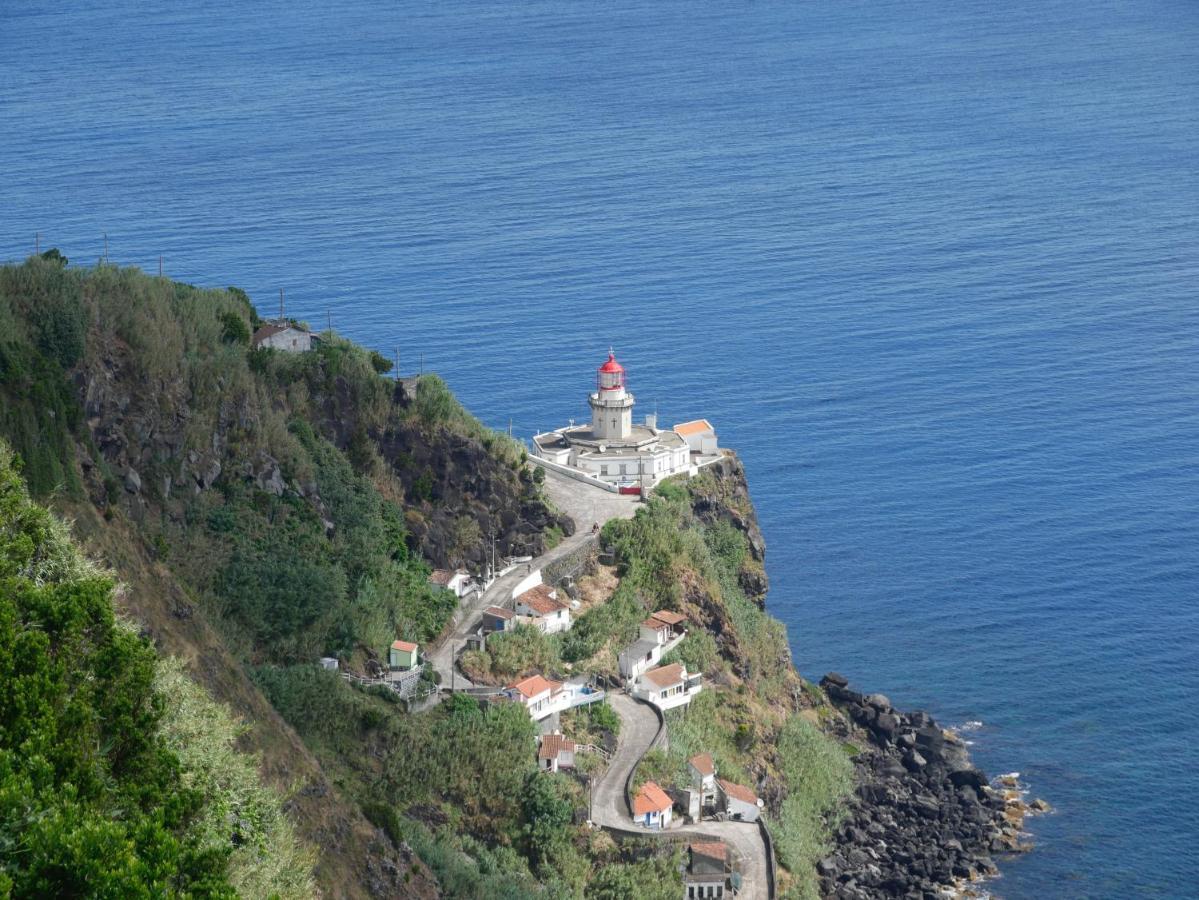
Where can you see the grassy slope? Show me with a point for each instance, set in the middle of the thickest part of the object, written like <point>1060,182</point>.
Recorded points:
<point>756,716</point>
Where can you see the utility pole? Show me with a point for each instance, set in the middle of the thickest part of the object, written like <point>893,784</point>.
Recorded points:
<point>422,364</point>
<point>329,320</point>
<point>397,359</point>
<point>160,266</point>
<point>280,304</point>
<point>509,427</point>
<point>106,248</point>
<point>37,243</point>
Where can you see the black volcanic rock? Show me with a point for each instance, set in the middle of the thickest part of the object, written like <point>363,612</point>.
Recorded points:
<point>921,817</point>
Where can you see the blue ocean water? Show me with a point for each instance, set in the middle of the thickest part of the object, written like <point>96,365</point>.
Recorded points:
<point>930,268</point>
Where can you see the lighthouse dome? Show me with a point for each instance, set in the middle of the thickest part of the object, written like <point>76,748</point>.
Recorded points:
<point>611,367</point>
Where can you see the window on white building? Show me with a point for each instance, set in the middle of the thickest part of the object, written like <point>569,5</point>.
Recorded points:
<point>603,470</point>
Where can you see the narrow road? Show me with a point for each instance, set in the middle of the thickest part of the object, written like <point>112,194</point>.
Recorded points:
<point>587,506</point>
<point>638,726</point>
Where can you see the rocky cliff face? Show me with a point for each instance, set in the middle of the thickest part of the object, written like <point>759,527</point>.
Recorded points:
<point>158,447</point>
<point>922,817</point>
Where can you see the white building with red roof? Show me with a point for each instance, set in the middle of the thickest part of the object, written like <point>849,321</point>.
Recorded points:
<point>741,804</point>
<point>456,580</point>
<point>667,687</point>
<point>652,806</point>
<point>283,335</point>
<point>657,636</point>
<point>540,607</point>
<point>614,451</point>
<point>555,752</point>
<point>543,697</point>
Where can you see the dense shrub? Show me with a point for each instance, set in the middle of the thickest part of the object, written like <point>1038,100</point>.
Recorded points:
<point>95,799</point>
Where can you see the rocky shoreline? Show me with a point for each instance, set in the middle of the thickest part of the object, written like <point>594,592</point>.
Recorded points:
<point>923,821</point>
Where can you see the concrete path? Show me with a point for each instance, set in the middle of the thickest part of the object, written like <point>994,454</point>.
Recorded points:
<point>586,505</point>
<point>638,726</point>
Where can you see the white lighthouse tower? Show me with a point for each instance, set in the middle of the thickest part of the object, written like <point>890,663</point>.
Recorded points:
<point>611,404</point>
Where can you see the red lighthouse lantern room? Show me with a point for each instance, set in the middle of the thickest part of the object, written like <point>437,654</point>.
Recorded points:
<point>611,375</point>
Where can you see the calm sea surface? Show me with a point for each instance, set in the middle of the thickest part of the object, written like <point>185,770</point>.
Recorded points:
<point>930,268</point>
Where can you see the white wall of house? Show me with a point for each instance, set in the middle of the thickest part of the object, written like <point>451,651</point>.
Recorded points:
<point>289,339</point>
<point>655,819</point>
<point>739,809</point>
<point>529,581</point>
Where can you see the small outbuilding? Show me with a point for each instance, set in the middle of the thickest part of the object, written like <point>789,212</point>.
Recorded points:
<point>652,806</point>
<point>457,581</point>
<point>402,656</point>
<point>496,618</point>
<point>555,752</point>
<point>699,435</point>
<point>740,802</point>
<point>707,873</point>
<point>285,336</point>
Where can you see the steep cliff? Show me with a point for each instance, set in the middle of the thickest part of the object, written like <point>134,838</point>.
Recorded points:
<point>885,803</point>
<point>260,507</point>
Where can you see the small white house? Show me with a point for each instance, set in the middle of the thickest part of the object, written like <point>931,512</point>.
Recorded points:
<point>668,686</point>
<point>657,635</point>
<point>457,581</point>
<point>541,608</point>
<point>497,618</point>
<point>699,435</point>
<point>403,656</point>
<point>652,806</point>
<point>536,694</point>
<point>284,336</point>
<point>555,752</point>
<point>740,802</point>
<point>703,777</point>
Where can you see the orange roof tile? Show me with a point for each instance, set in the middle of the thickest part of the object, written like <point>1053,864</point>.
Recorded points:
<point>539,600</point>
<point>650,798</point>
<point>654,623</point>
<point>696,426</point>
<point>665,676</point>
<point>717,850</point>
<point>533,685</point>
<point>499,613</point>
<point>442,577</point>
<point>738,792</point>
<point>669,617</point>
<point>553,744</point>
<point>406,646</point>
<point>703,764</point>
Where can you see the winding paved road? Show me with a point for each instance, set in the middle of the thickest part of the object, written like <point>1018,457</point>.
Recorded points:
<point>586,505</point>
<point>638,727</point>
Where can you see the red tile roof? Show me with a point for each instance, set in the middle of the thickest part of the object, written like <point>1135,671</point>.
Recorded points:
<point>499,613</point>
<point>669,617</point>
<point>533,685</point>
<point>442,577</point>
<point>665,676</point>
<point>539,600</point>
<point>738,792</point>
<point>716,850</point>
<point>406,646</point>
<point>650,798</point>
<point>552,745</point>
<point>703,764</point>
<point>696,426</point>
<point>654,623</point>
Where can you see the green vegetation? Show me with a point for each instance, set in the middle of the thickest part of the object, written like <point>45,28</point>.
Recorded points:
<point>667,557</point>
<point>817,773</point>
<point>502,829</point>
<point>513,654</point>
<point>102,791</point>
